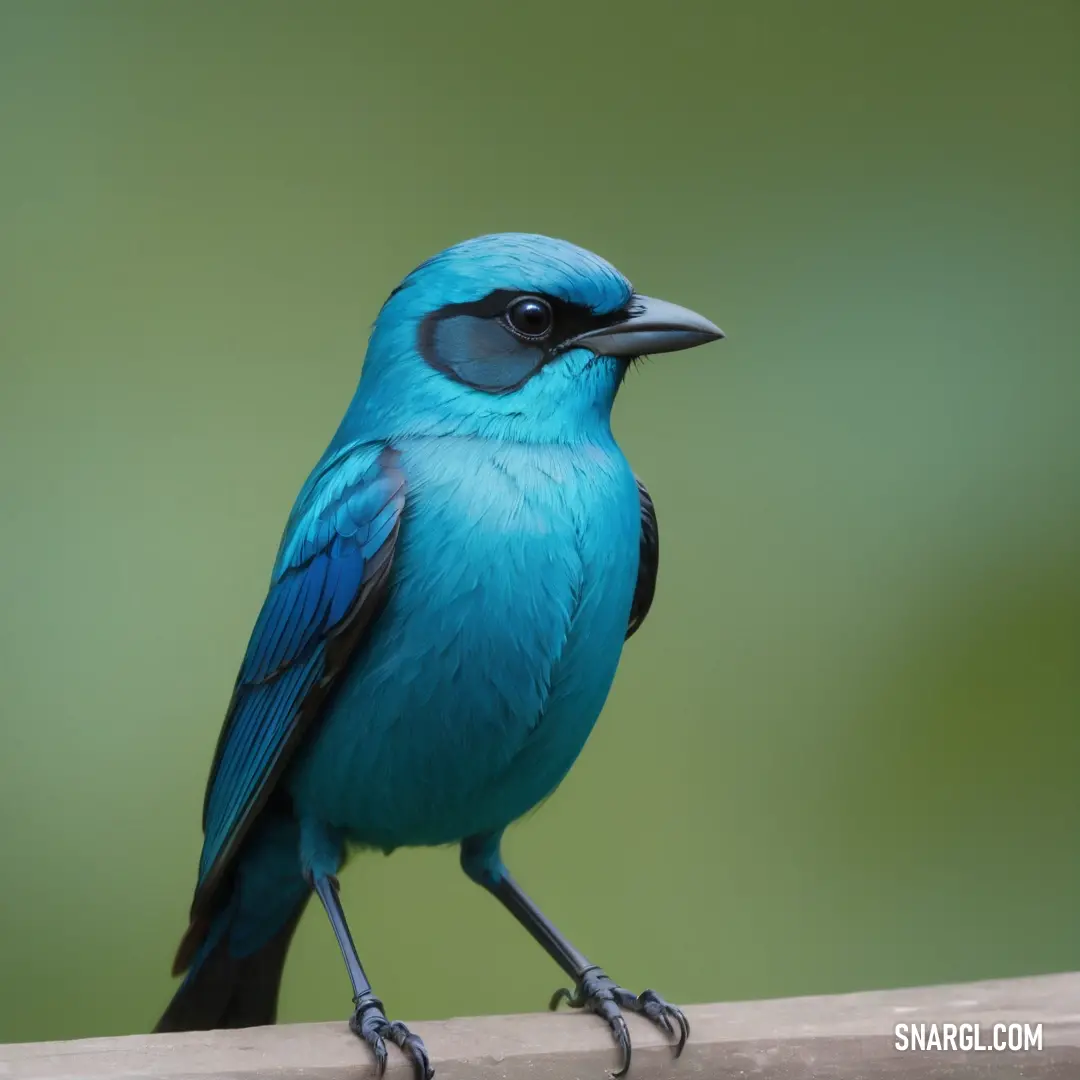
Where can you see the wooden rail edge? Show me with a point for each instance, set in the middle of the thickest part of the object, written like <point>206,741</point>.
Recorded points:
<point>841,1037</point>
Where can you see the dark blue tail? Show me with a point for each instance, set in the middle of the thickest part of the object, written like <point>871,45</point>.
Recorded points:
<point>235,959</point>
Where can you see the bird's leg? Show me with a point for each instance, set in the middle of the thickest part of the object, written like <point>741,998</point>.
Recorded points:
<point>368,1021</point>
<point>594,990</point>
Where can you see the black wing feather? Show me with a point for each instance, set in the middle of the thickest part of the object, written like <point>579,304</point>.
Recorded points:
<point>648,562</point>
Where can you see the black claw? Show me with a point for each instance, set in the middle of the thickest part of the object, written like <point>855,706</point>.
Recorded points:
<point>622,1037</point>
<point>369,1023</point>
<point>684,1029</point>
<point>600,995</point>
<point>660,1018</point>
<point>661,1013</point>
<point>412,1046</point>
<point>378,1048</point>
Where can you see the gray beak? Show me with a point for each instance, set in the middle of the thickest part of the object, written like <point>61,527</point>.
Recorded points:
<point>655,327</point>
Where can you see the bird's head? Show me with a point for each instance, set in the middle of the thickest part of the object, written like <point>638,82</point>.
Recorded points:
<point>511,336</point>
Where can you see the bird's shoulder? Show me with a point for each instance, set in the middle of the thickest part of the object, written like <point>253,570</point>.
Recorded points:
<point>350,492</point>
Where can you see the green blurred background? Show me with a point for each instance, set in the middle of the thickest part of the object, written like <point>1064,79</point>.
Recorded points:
<point>844,751</point>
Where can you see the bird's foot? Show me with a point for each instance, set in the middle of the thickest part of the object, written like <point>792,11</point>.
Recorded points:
<point>601,995</point>
<point>370,1024</point>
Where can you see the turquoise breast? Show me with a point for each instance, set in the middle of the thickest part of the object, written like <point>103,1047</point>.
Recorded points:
<point>491,661</point>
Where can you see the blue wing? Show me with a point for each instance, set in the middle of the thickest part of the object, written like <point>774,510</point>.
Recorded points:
<point>328,582</point>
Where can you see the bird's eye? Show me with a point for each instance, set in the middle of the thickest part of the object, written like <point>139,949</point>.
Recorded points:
<point>530,317</point>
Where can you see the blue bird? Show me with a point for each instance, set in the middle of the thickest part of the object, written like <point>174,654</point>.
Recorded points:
<point>445,616</point>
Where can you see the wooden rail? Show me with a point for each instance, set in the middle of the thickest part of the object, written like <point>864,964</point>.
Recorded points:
<point>844,1037</point>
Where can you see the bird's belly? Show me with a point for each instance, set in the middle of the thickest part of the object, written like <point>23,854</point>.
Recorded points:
<point>490,664</point>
